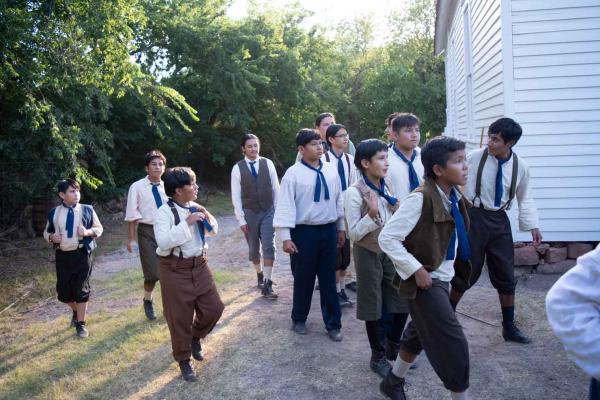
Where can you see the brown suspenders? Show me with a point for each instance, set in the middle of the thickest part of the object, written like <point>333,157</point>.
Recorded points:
<point>513,180</point>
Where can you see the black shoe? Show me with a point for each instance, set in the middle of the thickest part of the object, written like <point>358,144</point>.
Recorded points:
<point>335,335</point>
<point>393,387</point>
<point>267,291</point>
<point>351,286</point>
<point>149,310</point>
<point>343,300</point>
<point>379,364</point>
<point>345,296</point>
<point>82,332</point>
<point>74,319</point>
<point>187,371</point>
<point>197,350</point>
<point>260,278</point>
<point>391,349</point>
<point>299,328</point>
<point>511,333</point>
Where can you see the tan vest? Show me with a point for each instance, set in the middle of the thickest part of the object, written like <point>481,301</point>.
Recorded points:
<point>370,240</point>
<point>428,241</point>
<point>257,193</point>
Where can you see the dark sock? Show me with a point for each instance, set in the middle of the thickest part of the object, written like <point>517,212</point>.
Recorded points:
<point>508,315</point>
<point>453,304</point>
<point>373,335</point>
<point>398,323</point>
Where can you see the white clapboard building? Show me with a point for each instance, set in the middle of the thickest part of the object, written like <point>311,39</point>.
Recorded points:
<point>537,61</point>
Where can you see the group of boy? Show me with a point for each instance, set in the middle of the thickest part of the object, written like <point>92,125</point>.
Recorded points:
<point>414,231</point>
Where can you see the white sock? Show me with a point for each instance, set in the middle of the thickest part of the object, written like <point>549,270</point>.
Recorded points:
<point>400,367</point>
<point>268,272</point>
<point>460,396</point>
<point>147,295</point>
<point>338,287</point>
<point>257,267</point>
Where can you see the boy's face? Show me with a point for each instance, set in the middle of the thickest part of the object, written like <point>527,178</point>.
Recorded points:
<point>71,196</point>
<point>251,148</point>
<point>377,166</point>
<point>325,123</point>
<point>497,146</point>
<point>312,151</point>
<point>408,138</point>
<point>456,170</point>
<point>188,192</point>
<point>340,140</point>
<point>155,169</point>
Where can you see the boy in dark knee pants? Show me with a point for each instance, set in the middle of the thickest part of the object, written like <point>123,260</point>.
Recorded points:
<point>73,228</point>
<point>191,302</point>
<point>427,241</point>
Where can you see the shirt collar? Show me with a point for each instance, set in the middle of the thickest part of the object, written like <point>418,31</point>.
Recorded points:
<point>248,161</point>
<point>445,198</point>
<point>148,182</point>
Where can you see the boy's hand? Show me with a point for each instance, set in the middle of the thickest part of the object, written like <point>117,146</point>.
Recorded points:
<point>289,247</point>
<point>372,203</point>
<point>341,239</point>
<point>81,231</point>
<point>423,278</point>
<point>195,217</point>
<point>245,229</point>
<point>55,238</point>
<point>130,245</point>
<point>536,236</point>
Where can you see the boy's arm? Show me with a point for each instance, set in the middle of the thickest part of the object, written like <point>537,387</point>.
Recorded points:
<point>573,309</point>
<point>96,229</point>
<point>358,226</point>
<point>395,232</point>
<point>168,235</point>
<point>47,234</point>
<point>132,213</point>
<point>236,195</point>
<point>285,212</point>
<point>210,219</point>
<point>528,216</point>
<point>339,206</point>
<point>274,181</point>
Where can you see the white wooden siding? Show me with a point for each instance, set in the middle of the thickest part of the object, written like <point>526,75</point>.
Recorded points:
<point>556,48</point>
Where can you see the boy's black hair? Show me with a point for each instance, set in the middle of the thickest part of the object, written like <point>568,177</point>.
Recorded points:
<point>247,137</point>
<point>436,151</point>
<point>152,154</point>
<point>65,184</point>
<point>305,136</point>
<point>507,128</point>
<point>332,131</point>
<point>367,149</point>
<point>178,177</point>
<point>404,120</point>
<point>322,116</point>
<point>390,118</point>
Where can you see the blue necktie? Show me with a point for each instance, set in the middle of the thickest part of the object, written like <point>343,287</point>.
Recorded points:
<point>202,225</point>
<point>156,195</point>
<point>341,171</point>
<point>413,178</point>
<point>381,190</point>
<point>70,220</point>
<point>253,170</point>
<point>320,177</point>
<point>460,231</point>
<point>499,188</point>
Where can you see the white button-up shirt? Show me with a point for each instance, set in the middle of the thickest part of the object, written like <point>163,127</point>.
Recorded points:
<point>236,186</point>
<point>141,206</point>
<point>397,230</point>
<point>181,237</point>
<point>296,205</point>
<point>528,216</point>
<point>398,173</point>
<point>349,170</point>
<point>60,227</point>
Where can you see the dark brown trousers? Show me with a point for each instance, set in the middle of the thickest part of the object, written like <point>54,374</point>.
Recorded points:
<point>191,302</point>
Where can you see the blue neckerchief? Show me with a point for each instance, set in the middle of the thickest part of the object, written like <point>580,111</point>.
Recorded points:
<point>252,169</point>
<point>413,178</point>
<point>156,194</point>
<point>320,177</point>
<point>341,171</point>
<point>70,220</point>
<point>202,225</point>
<point>464,249</point>
<point>499,186</point>
<point>381,190</point>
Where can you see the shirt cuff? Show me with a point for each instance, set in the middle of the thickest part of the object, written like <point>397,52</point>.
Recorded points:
<point>284,234</point>
<point>340,224</point>
<point>408,269</point>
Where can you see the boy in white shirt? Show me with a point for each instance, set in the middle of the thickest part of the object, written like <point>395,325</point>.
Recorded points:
<point>406,168</point>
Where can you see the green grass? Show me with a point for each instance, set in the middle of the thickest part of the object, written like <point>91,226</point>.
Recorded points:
<point>217,202</point>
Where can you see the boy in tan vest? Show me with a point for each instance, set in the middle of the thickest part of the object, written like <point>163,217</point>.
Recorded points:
<point>427,241</point>
<point>254,190</point>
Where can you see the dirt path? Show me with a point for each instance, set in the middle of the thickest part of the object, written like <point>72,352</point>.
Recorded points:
<point>252,354</point>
